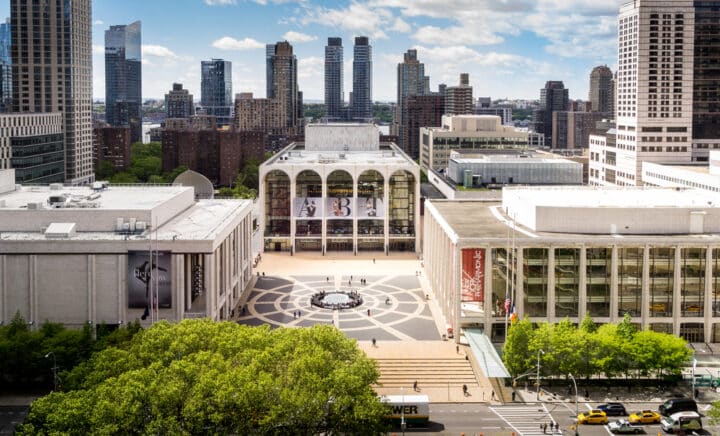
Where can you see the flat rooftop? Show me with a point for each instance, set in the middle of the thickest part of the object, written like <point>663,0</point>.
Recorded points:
<point>603,197</point>
<point>508,159</point>
<point>296,154</point>
<point>112,198</point>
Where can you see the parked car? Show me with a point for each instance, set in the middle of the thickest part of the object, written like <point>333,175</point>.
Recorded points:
<point>592,417</point>
<point>613,409</point>
<point>623,426</point>
<point>674,405</point>
<point>644,417</point>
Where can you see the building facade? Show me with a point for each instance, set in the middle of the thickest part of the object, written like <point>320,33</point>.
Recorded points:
<point>216,154</point>
<point>216,95</point>
<point>553,97</point>
<point>123,78</point>
<point>654,110</point>
<point>459,99</point>
<point>601,94</point>
<point>466,132</point>
<point>112,144</point>
<point>260,114</point>
<point>52,72</point>
<point>285,87</point>
<point>361,108</point>
<point>99,243</point>
<point>334,79</point>
<point>410,81</point>
<point>6,89</point>
<point>179,102</point>
<point>572,129</point>
<point>340,190</point>
<point>706,74</point>
<point>420,111</point>
<point>33,145</point>
<point>560,253</point>
<point>480,170</point>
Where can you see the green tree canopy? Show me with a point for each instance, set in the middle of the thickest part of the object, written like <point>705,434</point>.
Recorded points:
<point>205,377</point>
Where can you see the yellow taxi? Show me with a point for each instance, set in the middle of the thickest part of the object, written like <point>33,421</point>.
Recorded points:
<point>644,417</point>
<point>592,417</point>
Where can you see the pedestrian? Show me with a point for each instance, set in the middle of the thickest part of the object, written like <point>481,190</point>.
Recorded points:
<point>263,274</point>
<point>569,389</point>
<point>350,278</point>
<point>368,312</point>
<point>327,279</point>
<point>544,427</point>
<point>243,310</point>
<point>465,392</point>
<point>415,386</point>
<point>513,396</point>
<point>557,426</point>
<point>374,342</point>
<point>492,395</point>
<point>299,314</point>
<point>457,349</point>
<point>587,393</point>
<point>294,314</point>
<point>373,260</point>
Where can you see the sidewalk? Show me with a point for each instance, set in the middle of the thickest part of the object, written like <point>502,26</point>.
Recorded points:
<point>556,394</point>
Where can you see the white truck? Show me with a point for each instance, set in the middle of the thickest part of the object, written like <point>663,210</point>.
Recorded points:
<point>407,410</point>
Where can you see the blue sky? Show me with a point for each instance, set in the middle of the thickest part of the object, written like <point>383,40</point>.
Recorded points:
<point>509,47</point>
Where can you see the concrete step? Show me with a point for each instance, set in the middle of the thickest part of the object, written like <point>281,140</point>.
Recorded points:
<point>429,373</point>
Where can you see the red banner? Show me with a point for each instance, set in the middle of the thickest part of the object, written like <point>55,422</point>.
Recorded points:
<point>473,274</point>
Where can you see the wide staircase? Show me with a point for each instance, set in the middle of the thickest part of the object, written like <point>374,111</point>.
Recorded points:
<point>427,372</point>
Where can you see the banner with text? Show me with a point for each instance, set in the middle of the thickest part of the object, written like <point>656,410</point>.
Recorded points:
<point>339,207</point>
<point>144,275</point>
<point>473,274</point>
<point>308,207</point>
<point>370,207</point>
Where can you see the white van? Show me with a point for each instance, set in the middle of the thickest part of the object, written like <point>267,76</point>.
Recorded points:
<point>682,421</point>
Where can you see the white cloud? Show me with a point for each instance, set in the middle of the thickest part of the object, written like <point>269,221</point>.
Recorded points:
<point>158,51</point>
<point>401,26</point>
<point>229,43</point>
<point>356,18</point>
<point>98,23</point>
<point>98,49</point>
<point>292,36</point>
<point>220,2</point>
<point>456,35</point>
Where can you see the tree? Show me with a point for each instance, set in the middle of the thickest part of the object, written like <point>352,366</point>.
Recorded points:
<point>515,349</point>
<point>105,170</point>
<point>123,178</point>
<point>200,377</point>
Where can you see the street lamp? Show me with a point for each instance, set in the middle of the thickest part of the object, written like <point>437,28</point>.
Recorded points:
<point>576,404</point>
<point>403,425</point>
<point>538,373</point>
<point>54,369</point>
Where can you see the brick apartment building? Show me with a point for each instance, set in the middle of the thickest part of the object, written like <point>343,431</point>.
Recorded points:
<point>218,155</point>
<point>111,144</point>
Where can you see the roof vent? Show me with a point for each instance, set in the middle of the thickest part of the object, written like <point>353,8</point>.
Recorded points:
<point>56,186</point>
<point>60,230</point>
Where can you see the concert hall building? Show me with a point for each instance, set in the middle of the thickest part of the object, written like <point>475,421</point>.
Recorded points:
<point>340,190</point>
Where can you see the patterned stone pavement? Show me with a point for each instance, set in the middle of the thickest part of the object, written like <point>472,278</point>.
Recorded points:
<point>394,308</point>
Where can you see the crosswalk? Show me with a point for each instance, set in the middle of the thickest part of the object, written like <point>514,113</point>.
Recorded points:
<point>526,420</point>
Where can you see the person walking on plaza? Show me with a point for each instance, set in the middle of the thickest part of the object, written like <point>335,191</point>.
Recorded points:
<point>492,395</point>
<point>415,388</point>
<point>374,341</point>
<point>465,390</point>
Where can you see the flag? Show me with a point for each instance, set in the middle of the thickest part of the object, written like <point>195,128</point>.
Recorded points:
<point>513,315</point>
<point>507,303</point>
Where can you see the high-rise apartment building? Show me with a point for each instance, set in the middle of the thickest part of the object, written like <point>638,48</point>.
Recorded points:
<point>216,95</point>
<point>179,102</point>
<point>601,89</point>
<point>706,80</point>
<point>553,97</point>
<point>334,79</point>
<point>5,67</point>
<point>52,72</point>
<point>283,64</point>
<point>654,109</point>
<point>362,79</point>
<point>459,99</point>
<point>123,78</point>
<point>421,111</point>
<point>410,81</point>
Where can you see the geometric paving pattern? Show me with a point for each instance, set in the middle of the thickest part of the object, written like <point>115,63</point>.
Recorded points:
<point>397,305</point>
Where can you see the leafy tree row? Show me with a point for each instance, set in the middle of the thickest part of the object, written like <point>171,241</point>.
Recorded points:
<point>246,183</point>
<point>145,167</point>
<point>611,350</point>
<point>205,377</point>
<point>23,351</point>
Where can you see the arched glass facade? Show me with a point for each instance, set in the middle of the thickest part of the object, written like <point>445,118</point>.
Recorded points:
<point>371,211</point>
<point>308,211</point>
<point>402,199</point>
<point>340,211</point>
<point>277,211</point>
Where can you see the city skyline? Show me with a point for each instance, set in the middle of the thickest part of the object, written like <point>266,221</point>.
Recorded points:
<point>510,49</point>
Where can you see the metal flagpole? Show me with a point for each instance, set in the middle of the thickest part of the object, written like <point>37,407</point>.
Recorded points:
<point>157,275</point>
<point>149,279</point>
<point>507,277</point>
<point>514,269</point>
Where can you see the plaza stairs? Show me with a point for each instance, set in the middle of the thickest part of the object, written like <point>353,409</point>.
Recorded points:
<point>436,372</point>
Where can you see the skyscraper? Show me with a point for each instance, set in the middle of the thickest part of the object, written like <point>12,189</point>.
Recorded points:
<point>706,81</point>
<point>334,79</point>
<point>459,99</point>
<point>179,102</point>
<point>410,81</point>
<point>601,89</point>
<point>5,67</point>
<point>553,97</point>
<point>123,78</point>
<point>52,71</point>
<point>283,64</point>
<point>362,79</point>
<point>654,110</point>
<point>216,90</point>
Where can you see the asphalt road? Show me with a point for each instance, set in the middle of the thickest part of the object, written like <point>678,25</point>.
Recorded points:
<point>11,416</point>
<point>522,419</point>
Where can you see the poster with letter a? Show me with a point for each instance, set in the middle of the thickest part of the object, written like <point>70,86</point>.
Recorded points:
<point>473,274</point>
